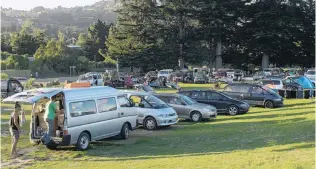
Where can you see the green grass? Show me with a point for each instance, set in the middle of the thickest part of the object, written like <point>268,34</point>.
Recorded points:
<point>263,138</point>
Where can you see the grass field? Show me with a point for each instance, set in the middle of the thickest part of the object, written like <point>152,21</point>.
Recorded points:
<point>263,138</point>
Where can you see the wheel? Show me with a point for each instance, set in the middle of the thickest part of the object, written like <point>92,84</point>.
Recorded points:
<point>124,131</point>
<point>196,116</point>
<point>83,141</point>
<point>51,146</point>
<point>150,123</point>
<point>268,104</point>
<point>233,110</point>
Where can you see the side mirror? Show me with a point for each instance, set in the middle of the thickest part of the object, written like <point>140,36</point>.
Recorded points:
<point>141,105</point>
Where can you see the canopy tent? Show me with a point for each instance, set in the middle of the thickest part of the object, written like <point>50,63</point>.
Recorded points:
<point>304,82</point>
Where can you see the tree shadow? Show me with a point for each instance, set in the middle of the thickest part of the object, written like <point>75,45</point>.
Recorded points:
<point>202,139</point>
<point>279,109</point>
<point>213,138</point>
<point>299,104</point>
<point>264,116</point>
<point>309,145</point>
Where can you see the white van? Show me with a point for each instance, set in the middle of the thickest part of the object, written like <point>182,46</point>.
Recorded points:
<point>90,114</point>
<point>94,78</point>
<point>164,73</point>
<point>152,112</point>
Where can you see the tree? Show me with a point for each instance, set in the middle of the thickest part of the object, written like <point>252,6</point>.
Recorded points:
<point>94,41</point>
<point>23,43</point>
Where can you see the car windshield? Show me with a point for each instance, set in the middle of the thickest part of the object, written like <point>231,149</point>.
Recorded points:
<point>188,100</point>
<point>311,72</point>
<point>155,102</point>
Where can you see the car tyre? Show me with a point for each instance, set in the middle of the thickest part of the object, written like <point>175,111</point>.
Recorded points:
<point>124,131</point>
<point>233,110</point>
<point>268,104</point>
<point>51,146</point>
<point>196,116</point>
<point>83,141</point>
<point>150,123</point>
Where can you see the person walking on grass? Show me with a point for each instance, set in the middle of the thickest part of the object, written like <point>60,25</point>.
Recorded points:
<point>15,129</point>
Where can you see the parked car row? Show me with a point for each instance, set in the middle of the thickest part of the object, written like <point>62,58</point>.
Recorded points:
<point>95,113</point>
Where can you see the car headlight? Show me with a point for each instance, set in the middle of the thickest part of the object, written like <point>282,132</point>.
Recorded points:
<point>278,100</point>
<point>244,105</point>
<point>206,109</point>
<point>163,115</point>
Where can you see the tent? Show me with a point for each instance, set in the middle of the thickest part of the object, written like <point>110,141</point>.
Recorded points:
<point>304,82</point>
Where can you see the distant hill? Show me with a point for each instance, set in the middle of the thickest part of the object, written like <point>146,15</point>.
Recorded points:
<point>78,18</point>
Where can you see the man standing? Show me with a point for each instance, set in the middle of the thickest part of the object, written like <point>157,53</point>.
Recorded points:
<point>49,116</point>
<point>15,129</point>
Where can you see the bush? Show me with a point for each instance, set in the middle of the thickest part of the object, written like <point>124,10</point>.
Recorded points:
<point>29,83</point>
<point>4,76</point>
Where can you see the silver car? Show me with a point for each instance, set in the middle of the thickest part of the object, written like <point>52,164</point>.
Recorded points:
<point>151,111</point>
<point>188,108</point>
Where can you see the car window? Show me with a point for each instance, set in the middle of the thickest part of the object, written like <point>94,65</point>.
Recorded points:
<point>214,96</point>
<point>257,90</point>
<point>237,88</point>
<point>124,102</point>
<point>198,95</point>
<point>82,108</point>
<point>108,104</point>
<point>276,82</point>
<point>138,99</point>
<point>175,100</point>
<point>266,82</point>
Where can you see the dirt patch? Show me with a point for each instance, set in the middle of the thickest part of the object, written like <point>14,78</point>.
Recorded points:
<point>23,160</point>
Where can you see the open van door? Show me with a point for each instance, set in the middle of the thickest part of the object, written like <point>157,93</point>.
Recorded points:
<point>32,96</point>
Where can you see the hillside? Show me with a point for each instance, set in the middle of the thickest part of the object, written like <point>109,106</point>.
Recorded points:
<point>79,18</point>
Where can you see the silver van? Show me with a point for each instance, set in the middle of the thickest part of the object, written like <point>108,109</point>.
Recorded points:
<point>151,111</point>
<point>90,114</point>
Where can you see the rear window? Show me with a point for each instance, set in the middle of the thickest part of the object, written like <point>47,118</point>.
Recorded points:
<point>310,72</point>
<point>237,88</point>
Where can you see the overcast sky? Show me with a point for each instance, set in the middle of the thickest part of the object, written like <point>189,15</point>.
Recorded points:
<point>29,4</point>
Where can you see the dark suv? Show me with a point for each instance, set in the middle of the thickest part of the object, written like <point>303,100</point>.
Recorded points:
<point>222,102</point>
<point>254,94</point>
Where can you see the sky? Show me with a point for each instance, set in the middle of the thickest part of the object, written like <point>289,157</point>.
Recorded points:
<point>29,4</point>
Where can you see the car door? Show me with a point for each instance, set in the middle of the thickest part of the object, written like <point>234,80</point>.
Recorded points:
<point>109,112</point>
<point>180,107</point>
<point>244,93</point>
<point>141,111</point>
<point>199,96</point>
<point>218,101</point>
<point>14,86</point>
<point>257,96</point>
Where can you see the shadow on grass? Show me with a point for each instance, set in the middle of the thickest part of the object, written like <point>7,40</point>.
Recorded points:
<point>299,104</point>
<point>279,110</point>
<point>215,138</point>
<point>201,139</point>
<point>264,116</point>
<point>309,145</point>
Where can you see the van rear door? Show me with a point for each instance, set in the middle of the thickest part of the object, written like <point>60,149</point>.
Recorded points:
<point>32,96</point>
